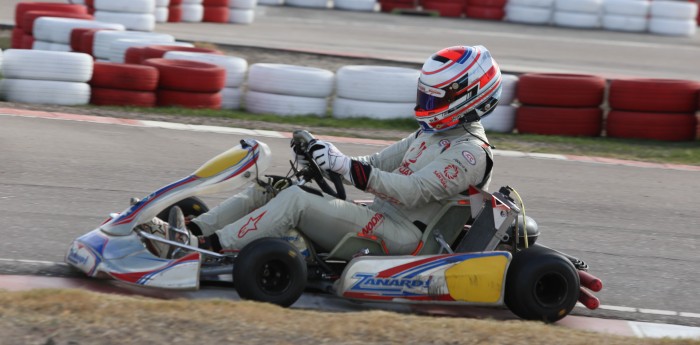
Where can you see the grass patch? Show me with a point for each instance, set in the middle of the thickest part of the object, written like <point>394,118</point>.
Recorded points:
<point>73,316</point>
<point>630,149</point>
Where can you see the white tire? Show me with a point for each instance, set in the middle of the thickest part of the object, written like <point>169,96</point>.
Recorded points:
<point>192,13</point>
<point>131,21</point>
<point>101,46</point>
<point>509,86</point>
<point>45,92</point>
<point>119,47</point>
<point>673,10</point>
<point>377,83</point>
<point>501,120</point>
<point>235,67</point>
<point>162,14</point>
<point>231,98</point>
<point>162,3</point>
<point>238,16</point>
<point>549,4</point>
<point>192,2</point>
<point>528,15</point>
<point>243,4</point>
<point>584,6</point>
<point>32,64</point>
<point>60,47</point>
<point>41,45</point>
<point>308,3</point>
<point>270,103</point>
<point>626,7</point>
<point>576,20</point>
<point>271,2</point>
<point>126,6</point>
<point>350,108</point>
<point>0,59</point>
<point>624,23</point>
<point>356,5</point>
<point>58,30</point>
<point>672,27</point>
<point>290,80</point>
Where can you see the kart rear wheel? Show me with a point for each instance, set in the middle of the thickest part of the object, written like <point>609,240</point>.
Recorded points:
<point>270,270</point>
<point>192,206</point>
<point>541,284</point>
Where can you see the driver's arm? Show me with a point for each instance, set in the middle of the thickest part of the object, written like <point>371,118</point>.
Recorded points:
<point>390,157</point>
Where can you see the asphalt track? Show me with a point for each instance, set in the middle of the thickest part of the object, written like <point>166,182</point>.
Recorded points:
<point>636,226</point>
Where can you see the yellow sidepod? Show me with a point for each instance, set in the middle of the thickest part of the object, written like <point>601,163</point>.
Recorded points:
<point>221,162</point>
<point>477,280</point>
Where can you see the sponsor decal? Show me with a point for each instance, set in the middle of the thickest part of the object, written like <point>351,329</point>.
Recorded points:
<point>451,172</point>
<point>431,90</point>
<point>383,196</point>
<point>405,170</point>
<point>75,258</point>
<point>445,144</point>
<point>469,157</point>
<point>441,177</point>
<point>421,148</point>
<point>461,165</point>
<point>251,225</point>
<point>376,220</point>
<point>369,282</point>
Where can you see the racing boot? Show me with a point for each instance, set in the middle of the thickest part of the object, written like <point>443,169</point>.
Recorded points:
<point>174,230</point>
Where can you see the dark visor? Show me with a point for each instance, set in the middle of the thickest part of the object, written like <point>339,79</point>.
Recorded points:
<point>428,102</point>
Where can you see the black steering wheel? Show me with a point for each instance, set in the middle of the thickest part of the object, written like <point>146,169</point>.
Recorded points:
<point>302,140</point>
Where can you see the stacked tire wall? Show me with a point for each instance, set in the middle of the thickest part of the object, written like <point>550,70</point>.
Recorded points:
<point>241,11</point>
<point>653,109</point>
<point>377,92</point>
<point>560,104</point>
<point>288,90</point>
<point>27,13</point>
<point>502,119</point>
<point>28,79</point>
<point>116,84</point>
<point>188,84</point>
<point>138,15</point>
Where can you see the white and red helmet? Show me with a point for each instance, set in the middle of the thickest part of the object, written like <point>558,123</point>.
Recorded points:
<point>457,85</point>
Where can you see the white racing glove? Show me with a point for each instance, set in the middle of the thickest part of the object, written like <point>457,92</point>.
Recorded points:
<point>328,157</point>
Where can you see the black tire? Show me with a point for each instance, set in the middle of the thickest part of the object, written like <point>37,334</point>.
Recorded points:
<point>192,206</point>
<point>541,284</point>
<point>270,270</point>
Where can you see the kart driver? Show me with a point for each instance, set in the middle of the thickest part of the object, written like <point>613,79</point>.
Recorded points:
<point>411,179</point>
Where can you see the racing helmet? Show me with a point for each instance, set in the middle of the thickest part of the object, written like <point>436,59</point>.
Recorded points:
<point>457,85</point>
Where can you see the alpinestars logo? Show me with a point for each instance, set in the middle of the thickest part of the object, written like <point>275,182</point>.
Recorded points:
<point>368,282</point>
<point>251,225</point>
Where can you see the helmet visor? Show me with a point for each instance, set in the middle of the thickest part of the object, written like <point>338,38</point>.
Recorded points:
<point>431,99</point>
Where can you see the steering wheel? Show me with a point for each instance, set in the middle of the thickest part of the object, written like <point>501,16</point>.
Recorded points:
<point>302,140</point>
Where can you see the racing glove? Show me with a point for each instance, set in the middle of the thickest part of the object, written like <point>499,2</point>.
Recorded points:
<point>328,157</point>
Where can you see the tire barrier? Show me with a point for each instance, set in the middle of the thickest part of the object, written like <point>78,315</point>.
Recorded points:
<point>241,11</point>
<point>119,47</point>
<point>114,97</point>
<point>189,84</point>
<point>215,14</point>
<point>235,67</point>
<point>654,126</point>
<point>174,14</point>
<point>355,5</point>
<point>673,18</point>
<point>159,51</point>
<point>271,2</point>
<point>308,3</point>
<point>139,78</point>
<point>625,15</point>
<point>446,8</point>
<point>485,9</point>
<point>23,7</point>
<point>393,86</point>
<point>393,5</point>
<point>502,119</point>
<point>559,121</point>
<point>306,89</point>
<point>161,14</point>
<point>16,40</point>
<point>0,59</point>
<point>529,11</point>
<point>59,30</point>
<point>192,13</point>
<point>133,14</point>
<point>31,80</point>
<point>31,17</point>
<point>103,40</point>
<point>231,98</point>
<point>584,14</point>
<point>560,104</point>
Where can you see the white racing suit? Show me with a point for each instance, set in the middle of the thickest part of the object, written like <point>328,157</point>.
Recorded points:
<point>411,180</point>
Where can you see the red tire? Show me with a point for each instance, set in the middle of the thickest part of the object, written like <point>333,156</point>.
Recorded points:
<point>391,5</point>
<point>215,14</point>
<point>27,41</point>
<point>87,42</point>
<point>175,3</point>
<point>24,7</point>
<point>489,13</point>
<point>100,96</point>
<point>134,55</point>
<point>76,38</point>
<point>486,3</point>
<point>654,95</point>
<point>559,121</point>
<point>191,76</point>
<point>17,35</point>
<point>446,9</point>
<point>154,52</point>
<point>561,90</point>
<point>31,16</point>
<point>174,14</point>
<point>167,98</point>
<point>215,3</point>
<point>656,126</point>
<point>124,77</point>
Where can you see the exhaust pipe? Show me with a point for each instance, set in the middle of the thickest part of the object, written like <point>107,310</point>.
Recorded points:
<point>588,300</point>
<point>590,281</point>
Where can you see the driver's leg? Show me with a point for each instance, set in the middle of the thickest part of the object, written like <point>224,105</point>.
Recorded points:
<point>232,209</point>
<point>324,219</point>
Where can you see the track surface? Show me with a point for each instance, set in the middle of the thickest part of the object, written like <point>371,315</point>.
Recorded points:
<point>636,227</point>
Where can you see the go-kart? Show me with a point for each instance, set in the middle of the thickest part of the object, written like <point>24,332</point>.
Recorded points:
<point>479,250</point>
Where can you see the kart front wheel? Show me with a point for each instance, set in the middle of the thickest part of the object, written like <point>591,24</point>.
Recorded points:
<point>541,284</point>
<point>270,270</point>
